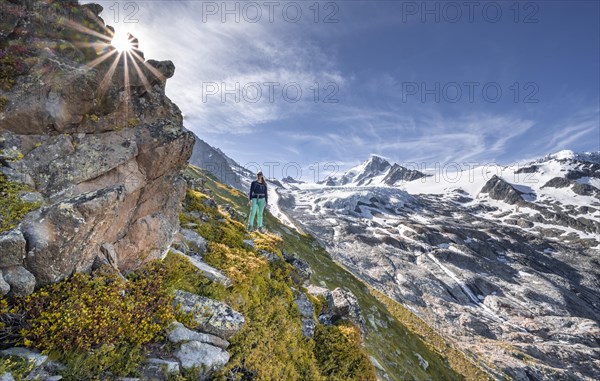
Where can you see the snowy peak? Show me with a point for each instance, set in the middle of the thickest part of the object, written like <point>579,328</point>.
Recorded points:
<point>376,171</point>
<point>568,155</point>
<point>368,171</point>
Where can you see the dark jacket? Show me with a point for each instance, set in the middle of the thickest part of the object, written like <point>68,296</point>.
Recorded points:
<point>257,189</point>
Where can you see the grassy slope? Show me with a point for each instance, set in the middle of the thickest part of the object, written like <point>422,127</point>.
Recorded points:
<point>389,341</point>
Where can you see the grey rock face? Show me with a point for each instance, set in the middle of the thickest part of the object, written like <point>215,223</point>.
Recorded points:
<point>12,248</point>
<point>307,311</point>
<point>179,333</point>
<point>223,167</point>
<point>203,356</point>
<point>34,357</point>
<point>4,287</point>
<point>21,281</point>
<point>194,241</point>
<point>499,189</point>
<point>399,174</point>
<point>557,182</point>
<point>210,316</point>
<point>342,304</point>
<point>107,170</point>
<point>59,239</point>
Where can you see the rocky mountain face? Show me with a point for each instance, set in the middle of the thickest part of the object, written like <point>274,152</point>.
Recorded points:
<point>93,137</point>
<point>222,166</point>
<point>375,171</point>
<point>505,262</point>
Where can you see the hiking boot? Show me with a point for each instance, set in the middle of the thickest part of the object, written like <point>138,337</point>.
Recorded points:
<point>249,228</point>
<point>262,229</point>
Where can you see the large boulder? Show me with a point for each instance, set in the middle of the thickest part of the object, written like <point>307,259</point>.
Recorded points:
<point>12,248</point>
<point>210,316</point>
<point>21,281</point>
<point>204,357</point>
<point>102,150</point>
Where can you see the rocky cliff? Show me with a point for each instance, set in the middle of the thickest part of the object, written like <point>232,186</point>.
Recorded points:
<point>90,141</point>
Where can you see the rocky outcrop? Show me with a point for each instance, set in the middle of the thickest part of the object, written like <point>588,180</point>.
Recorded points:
<point>193,242</point>
<point>557,182</point>
<point>209,315</point>
<point>203,345</point>
<point>341,305</point>
<point>178,333</point>
<point>204,357</point>
<point>301,269</point>
<point>399,174</point>
<point>307,311</point>
<point>499,189</point>
<point>223,167</point>
<point>102,150</point>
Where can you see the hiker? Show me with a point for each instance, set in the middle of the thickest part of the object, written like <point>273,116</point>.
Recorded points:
<point>258,199</point>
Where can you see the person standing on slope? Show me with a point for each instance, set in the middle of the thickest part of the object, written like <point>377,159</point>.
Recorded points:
<point>257,199</point>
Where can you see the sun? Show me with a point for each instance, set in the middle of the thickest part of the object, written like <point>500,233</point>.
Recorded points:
<point>122,41</point>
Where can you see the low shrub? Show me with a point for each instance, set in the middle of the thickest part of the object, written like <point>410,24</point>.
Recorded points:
<point>99,323</point>
<point>12,207</point>
<point>339,354</point>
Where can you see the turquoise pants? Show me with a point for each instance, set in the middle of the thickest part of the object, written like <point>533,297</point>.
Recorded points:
<point>257,206</point>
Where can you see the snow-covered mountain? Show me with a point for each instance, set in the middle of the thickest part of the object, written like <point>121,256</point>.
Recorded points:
<point>503,260</point>
<point>375,171</point>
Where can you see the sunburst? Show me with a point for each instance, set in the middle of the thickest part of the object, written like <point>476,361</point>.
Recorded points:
<point>122,41</point>
<point>118,46</point>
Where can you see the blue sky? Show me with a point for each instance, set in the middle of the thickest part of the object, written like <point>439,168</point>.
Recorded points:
<point>384,63</point>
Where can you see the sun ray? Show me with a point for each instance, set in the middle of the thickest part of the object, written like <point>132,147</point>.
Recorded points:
<point>101,58</point>
<point>106,80</point>
<point>152,69</point>
<point>139,72</point>
<point>80,28</point>
<point>127,89</point>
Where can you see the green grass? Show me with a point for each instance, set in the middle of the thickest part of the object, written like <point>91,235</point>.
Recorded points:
<point>390,342</point>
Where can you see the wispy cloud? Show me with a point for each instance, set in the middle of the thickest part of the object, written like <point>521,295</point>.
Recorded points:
<point>230,76</point>
<point>565,133</point>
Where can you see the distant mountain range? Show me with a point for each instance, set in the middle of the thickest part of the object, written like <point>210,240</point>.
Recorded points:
<point>504,261</point>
